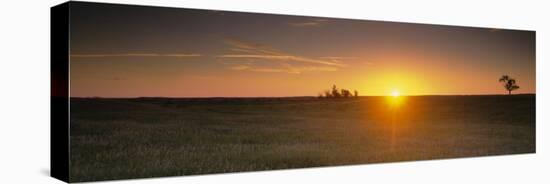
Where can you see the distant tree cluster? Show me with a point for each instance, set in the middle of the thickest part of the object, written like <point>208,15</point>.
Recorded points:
<point>338,93</point>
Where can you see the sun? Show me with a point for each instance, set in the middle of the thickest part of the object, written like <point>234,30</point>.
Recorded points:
<point>395,99</point>
<point>395,93</point>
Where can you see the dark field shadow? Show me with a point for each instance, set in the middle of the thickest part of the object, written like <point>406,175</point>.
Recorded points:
<point>297,133</point>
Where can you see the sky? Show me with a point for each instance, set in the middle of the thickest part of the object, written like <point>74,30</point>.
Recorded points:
<point>140,51</point>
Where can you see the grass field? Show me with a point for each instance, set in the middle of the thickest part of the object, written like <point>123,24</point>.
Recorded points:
<point>151,137</point>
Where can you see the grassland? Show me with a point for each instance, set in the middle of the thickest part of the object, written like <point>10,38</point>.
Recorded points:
<point>152,137</point>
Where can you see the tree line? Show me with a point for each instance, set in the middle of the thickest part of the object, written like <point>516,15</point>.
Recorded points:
<point>338,93</point>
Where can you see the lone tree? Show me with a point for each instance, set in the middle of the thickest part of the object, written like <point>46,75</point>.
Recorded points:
<point>509,83</point>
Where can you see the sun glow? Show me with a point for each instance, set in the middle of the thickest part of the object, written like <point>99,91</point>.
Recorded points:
<point>395,99</point>
<point>395,93</point>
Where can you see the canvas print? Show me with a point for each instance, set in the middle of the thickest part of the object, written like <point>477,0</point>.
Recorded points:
<point>156,91</point>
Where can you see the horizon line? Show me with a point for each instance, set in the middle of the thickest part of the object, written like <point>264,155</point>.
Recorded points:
<point>310,96</point>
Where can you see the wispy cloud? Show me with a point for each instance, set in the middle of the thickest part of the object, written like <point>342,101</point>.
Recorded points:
<point>256,69</point>
<point>284,62</point>
<point>338,58</point>
<point>309,23</point>
<point>492,30</point>
<point>286,69</point>
<point>217,12</point>
<point>285,58</point>
<point>247,47</point>
<point>239,67</point>
<point>133,55</point>
<point>259,51</point>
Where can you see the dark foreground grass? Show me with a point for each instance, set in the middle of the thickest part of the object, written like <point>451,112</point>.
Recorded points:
<point>152,137</point>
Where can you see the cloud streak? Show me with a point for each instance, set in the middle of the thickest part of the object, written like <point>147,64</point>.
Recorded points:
<point>133,55</point>
<point>284,62</point>
<point>259,51</point>
<point>338,58</point>
<point>287,69</point>
<point>309,23</point>
<point>493,30</point>
<point>285,58</point>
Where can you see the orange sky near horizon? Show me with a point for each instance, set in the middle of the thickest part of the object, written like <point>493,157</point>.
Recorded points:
<point>150,51</point>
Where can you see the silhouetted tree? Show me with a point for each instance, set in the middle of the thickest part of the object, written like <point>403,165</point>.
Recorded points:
<point>509,83</point>
<point>335,92</point>
<point>345,93</point>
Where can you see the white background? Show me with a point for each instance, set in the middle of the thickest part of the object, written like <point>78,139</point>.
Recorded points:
<point>24,90</point>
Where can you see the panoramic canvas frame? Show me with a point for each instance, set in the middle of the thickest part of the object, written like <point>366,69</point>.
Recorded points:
<point>141,91</point>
